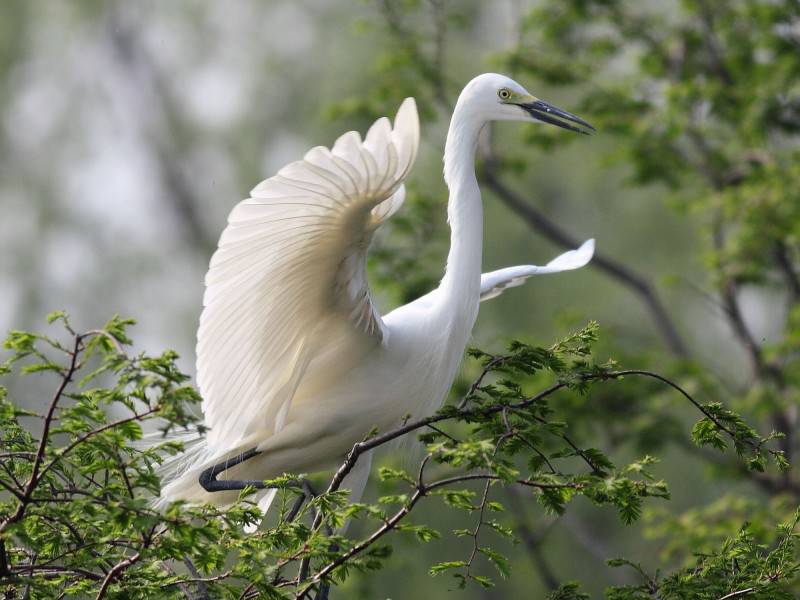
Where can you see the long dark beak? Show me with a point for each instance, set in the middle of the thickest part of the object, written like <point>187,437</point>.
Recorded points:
<point>547,113</point>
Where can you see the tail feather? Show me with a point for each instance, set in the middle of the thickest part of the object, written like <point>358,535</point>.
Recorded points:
<point>177,473</point>
<point>180,474</point>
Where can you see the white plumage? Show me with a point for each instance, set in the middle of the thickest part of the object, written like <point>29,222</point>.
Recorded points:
<point>496,282</point>
<point>292,356</point>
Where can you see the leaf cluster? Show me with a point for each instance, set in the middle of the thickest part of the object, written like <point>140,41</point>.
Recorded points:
<point>79,476</point>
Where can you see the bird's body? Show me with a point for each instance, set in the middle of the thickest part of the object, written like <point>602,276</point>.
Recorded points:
<point>338,404</point>
<point>293,359</point>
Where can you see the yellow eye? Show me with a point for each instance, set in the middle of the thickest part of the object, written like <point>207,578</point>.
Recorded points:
<point>504,94</point>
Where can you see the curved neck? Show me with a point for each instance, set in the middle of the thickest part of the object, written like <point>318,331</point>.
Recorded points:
<point>461,282</point>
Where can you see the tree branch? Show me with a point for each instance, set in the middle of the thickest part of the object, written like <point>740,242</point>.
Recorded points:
<point>114,573</point>
<point>614,269</point>
<point>40,452</point>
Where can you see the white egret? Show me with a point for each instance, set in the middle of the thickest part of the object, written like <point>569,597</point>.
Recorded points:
<point>294,363</point>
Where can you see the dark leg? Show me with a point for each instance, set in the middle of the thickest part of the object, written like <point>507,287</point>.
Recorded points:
<point>324,586</point>
<point>298,504</point>
<point>308,489</point>
<point>324,590</point>
<point>210,483</point>
<point>308,494</point>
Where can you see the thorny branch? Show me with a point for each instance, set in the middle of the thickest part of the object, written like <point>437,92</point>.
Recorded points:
<point>738,594</point>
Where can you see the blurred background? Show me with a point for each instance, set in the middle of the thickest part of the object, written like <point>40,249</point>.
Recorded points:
<point>129,131</point>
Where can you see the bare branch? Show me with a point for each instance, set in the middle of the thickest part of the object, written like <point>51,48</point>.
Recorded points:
<point>614,269</point>
<point>114,573</point>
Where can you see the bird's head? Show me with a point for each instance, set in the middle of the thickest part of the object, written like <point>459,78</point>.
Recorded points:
<point>493,97</point>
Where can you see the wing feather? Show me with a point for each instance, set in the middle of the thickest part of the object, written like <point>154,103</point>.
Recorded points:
<point>496,282</point>
<point>288,280</point>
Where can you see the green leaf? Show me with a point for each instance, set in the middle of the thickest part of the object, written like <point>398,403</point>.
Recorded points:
<point>568,591</point>
<point>446,566</point>
<point>498,560</point>
<point>461,499</point>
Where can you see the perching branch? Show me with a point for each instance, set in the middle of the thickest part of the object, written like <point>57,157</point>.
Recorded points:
<point>500,415</point>
<point>210,483</point>
<point>306,583</point>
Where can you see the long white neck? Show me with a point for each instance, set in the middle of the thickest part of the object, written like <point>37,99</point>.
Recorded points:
<point>460,287</point>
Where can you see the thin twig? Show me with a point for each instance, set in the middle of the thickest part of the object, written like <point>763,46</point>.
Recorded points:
<point>421,491</point>
<point>114,573</point>
<point>199,580</point>
<point>493,363</point>
<point>738,594</point>
<point>77,442</point>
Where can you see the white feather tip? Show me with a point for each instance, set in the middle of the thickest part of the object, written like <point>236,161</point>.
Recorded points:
<point>574,259</point>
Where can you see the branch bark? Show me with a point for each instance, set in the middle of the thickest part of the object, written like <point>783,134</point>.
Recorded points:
<point>34,479</point>
<point>616,270</point>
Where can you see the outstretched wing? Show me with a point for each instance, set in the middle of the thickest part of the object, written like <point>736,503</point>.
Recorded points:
<point>494,283</point>
<point>288,280</point>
